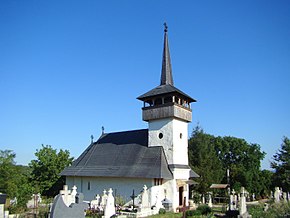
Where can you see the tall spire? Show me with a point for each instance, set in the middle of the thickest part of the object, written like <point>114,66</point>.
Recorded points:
<point>166,72</point>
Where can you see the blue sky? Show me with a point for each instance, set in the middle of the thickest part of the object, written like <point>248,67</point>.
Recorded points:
<point>69,67</point>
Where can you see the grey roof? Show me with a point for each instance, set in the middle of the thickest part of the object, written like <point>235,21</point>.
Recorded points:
<point>192,174</point>
<point>164,89</point>
<point>121,154</point>
<point>166,72</point>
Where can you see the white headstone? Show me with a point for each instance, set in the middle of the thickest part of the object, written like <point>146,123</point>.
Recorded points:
<point>243,206</point>
<point>104,199</point>
<point>95,203</point>
<point>145,198</point>
<point>202,199</point>
<point>277,195</point>
<point>66,195</point>
<point>209,199</point>
<point>110,205</point>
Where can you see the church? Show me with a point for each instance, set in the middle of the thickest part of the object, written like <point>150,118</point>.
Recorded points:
<point>156,157</point>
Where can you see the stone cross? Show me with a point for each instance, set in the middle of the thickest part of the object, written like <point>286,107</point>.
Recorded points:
<point>243,206</point>
<point>104,199</point>
<point>95,203</point>
<point>145,198</point>
<point>66,195</point>
<point>110,205</point>
<point>75,210</point>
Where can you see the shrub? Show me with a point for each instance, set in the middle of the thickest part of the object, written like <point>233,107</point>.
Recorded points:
<point>204,209</point>
<point>191,213</point>
<point>162,211</point>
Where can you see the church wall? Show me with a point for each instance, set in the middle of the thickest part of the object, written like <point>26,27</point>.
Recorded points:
<point>91,186</point>
<point>164,127</point>
<point>180,141</point>
<point>174,140</point>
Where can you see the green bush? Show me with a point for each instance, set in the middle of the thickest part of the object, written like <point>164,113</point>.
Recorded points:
<point>204,209</point>
<point>192,213</point>
<point>162,211</point>
<point>274,211</point>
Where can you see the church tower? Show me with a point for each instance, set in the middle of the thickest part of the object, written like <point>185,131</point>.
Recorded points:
<point>167,111</point>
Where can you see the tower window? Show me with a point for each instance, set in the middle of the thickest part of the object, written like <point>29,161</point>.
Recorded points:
<point>180,135</point>
<point>167,99</point>
<point>160,135</point>
<point>158,101</point>
<point>89,185</point>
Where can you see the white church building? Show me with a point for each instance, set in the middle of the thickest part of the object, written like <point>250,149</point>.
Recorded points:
<point>156,157</point>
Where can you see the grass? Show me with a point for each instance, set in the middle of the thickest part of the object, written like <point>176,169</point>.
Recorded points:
<point>167,215</point>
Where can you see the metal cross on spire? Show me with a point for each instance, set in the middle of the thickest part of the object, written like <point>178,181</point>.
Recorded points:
<point>165,27</point>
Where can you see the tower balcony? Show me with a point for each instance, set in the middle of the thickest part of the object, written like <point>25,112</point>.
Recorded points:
<point>167,110</point>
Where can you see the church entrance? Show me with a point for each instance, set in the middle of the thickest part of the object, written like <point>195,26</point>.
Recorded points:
<point>180,195</point>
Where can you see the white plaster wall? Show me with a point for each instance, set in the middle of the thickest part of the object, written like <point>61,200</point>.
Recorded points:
<point>180,142</point>
<point>181,173</point>
<point>174,141</point>
<point>165,127</point>
<point>120,186</point>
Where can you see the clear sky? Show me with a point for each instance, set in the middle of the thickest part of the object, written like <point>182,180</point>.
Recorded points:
<point>69,67</point>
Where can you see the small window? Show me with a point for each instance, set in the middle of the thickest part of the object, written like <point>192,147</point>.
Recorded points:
<point>160,135</point>
<point>89,185</point>
<point>158,101</point>
<point>180,135</point>
<point>168,99</point>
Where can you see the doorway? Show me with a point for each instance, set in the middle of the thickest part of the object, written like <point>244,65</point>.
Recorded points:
<point>180,189</point>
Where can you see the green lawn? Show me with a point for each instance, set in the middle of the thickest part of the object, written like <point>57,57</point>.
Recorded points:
<point>167,215</point>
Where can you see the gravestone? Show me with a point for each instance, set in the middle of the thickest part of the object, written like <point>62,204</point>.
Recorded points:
<point>34,201</point>
<point>209,199</point>
<point>110,205</point>
<point>243,213</point>
<point>95,203</point>
<point>75,210</point>
<point>277,195</point>
<point>104,199</point>
<point>66,196</point>
<point>145,198</point>
<point>203,199</point>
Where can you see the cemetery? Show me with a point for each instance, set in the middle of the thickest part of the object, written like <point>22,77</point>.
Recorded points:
<point>71,204</point>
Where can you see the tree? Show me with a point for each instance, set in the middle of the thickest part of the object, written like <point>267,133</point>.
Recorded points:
<point>243,160</point>
<point>281,165</point>
<point>203,159</point>
<point>46,169</point>
<point>14,178</point>
<point>266,183</point>
<point>7,172</point>
<point>211,156</point>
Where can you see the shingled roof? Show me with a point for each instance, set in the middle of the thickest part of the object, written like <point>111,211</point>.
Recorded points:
<point>121,154</point>
<point>164,89</point>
